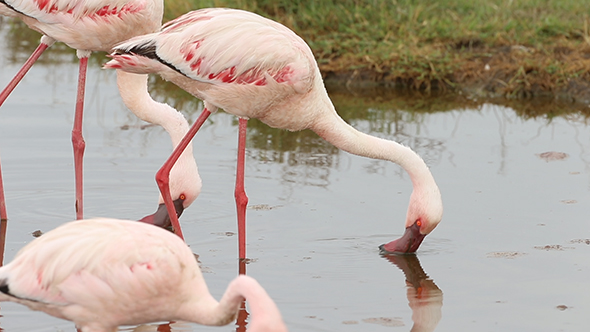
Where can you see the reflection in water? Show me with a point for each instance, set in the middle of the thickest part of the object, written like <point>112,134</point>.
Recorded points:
<point>241,322</point>
<point>424,297</point>
<point>162,327</point>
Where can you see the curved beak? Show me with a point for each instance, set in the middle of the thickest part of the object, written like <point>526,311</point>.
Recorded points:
<point>407,244</point>
<point>161,218</point>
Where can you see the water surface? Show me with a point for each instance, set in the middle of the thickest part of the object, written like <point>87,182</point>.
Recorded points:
<point>511,253</point>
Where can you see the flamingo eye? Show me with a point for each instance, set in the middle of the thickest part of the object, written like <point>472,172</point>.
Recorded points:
<point>182,197</point>
<point>419,223</point>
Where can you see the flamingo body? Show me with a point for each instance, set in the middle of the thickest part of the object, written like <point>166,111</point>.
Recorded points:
<point>97,25</point>
<point>103,273</point>
<point>254,67</point>
<point>87,25</point>
<point>268,75</point>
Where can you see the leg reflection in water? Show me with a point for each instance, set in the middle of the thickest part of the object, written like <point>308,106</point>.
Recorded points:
<point>163,327</point>
<point>241,322</point>
<point>424,297</point>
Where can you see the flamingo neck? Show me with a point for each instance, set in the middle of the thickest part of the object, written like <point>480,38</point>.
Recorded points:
<point>134,91</point>
<point>184,175</point>
<point>335,130</point>
<point>265,316</point>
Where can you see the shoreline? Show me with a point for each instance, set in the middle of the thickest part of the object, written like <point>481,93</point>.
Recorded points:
<point>511,73</point>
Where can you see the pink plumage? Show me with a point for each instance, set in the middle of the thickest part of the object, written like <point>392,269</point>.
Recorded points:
<point>253,67</point>
<point>97,25</point>
<point>87,25</point>
<point>103,273</point>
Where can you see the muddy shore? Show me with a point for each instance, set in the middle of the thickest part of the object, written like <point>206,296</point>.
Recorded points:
<point>506,75</point>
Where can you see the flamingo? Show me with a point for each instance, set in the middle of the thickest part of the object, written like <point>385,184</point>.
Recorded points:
<point>254,67</point>
<point>87,26</point>
<point>184,182</point>
<point>103,273</point>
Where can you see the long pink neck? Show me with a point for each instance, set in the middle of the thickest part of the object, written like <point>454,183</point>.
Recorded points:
<point>135,95</point>
<point>184,175</point>
<point>265,314</point>
<point>335,130</point>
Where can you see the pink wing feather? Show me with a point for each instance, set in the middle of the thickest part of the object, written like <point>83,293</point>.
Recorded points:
<point>217,46</point>
<point>88,24</point>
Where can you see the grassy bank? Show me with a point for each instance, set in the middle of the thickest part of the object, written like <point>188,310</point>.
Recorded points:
<point>513,48</point>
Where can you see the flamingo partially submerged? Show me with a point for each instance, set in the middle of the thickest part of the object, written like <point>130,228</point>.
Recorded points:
<point>253,67</point>
<point>103,273</point>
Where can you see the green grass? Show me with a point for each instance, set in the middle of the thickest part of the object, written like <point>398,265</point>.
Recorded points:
<point>421,43</point>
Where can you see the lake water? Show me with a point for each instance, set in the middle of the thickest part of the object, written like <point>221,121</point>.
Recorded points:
<point>511,253</point>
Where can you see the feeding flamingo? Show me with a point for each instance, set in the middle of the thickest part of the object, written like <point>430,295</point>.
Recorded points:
<point>87,26</point>
<point>184,182</point>
<point>253,67</point>
<point>103,273</point>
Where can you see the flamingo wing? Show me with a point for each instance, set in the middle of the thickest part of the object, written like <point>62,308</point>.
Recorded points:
<point>88,24</point>
<point>54,11</point>
<point>93,262</point>
<point>217,46</point>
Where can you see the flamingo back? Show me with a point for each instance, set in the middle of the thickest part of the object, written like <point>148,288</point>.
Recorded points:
<point>89,25</point>
<point>100,267</point>
<point>217,45</point>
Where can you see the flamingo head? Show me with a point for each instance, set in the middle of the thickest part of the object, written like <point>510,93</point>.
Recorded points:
<point>184,185</point>
<point>424,214</point>
<point>161,218</point>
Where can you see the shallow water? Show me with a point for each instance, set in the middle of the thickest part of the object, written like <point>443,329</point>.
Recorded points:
<point>511,253</point>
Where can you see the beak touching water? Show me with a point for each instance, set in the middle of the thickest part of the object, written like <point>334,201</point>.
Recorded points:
<point>408,243</point>
<point>161,217</point>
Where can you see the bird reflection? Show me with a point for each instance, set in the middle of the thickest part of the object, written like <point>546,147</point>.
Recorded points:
<point>243,314</point>
<point>162,327</point>
<point>424,297</point>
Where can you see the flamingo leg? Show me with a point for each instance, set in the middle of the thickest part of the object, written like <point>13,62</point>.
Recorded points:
<point>77,139</point>
<point>242,319</point>
<point>3,227</point>
<point>43,45</point>
<point>240,192</point>
<point>23,71</point>
<point>242,265</point>
<point>163,175</point>
<point>3,215</point>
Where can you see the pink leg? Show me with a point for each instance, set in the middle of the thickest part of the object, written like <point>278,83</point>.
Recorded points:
<point>3,226</point>
<point>78,140</point>
<point>4,95</point>
<point>240,193</point>
<point>3,215</point>
<point>22,72</point>
<point>242,320</point>
<point>242,266</point>
<point>163,175</point>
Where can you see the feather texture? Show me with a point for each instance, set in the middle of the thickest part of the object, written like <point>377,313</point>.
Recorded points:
<point>103,273</point>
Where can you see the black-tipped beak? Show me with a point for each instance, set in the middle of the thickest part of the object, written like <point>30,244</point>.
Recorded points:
<point>161,217</point>
<point>407,244</point>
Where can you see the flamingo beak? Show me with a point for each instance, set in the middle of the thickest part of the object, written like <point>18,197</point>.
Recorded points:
<point>161,218</point>
<point>407,244</point>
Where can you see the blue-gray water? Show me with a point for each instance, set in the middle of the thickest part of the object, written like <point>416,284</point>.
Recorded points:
<point>511,253</point>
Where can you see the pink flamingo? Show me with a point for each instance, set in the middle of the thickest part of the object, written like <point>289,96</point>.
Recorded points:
<point>184,183</point>
<point>254,67</point>
<point>87,26</point>
<point>103,273</point>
